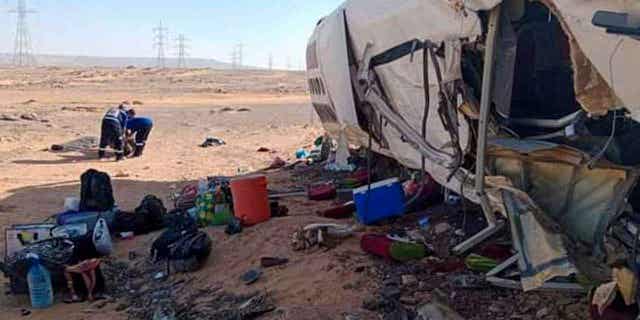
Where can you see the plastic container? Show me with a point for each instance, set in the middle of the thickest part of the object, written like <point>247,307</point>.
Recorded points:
<point>71,204</point>
<point>90,218</point>
<point>385,200</point>
<point>39,281</point>
<point>250,199</point>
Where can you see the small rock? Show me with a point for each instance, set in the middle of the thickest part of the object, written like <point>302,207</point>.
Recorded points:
<point>29,117</point>
<point>409,280</point>
<point>422,296</point>
<point>542,313</point>
<point>442,227</point>
<point>44,120</point>
<point>122,174</point>
<point>496,308</point>
<point>371,303</point>
<point>410,301</point>
<point>100,304</point>
<point>348,286</point>
<point>423,286</point>
<point>6,117</point>
<point>277,163</point>
<point>351,317</point>
<point>57,147</point>
<point>391,292</point>
<point>263,149</point>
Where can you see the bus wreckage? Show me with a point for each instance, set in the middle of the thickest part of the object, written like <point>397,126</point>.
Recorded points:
<point>528,108</point>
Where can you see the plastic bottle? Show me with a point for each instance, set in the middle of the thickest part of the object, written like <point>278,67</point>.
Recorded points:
<point>39,281</point>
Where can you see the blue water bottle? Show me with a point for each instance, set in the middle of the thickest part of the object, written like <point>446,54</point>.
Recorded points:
<point>39,281</point>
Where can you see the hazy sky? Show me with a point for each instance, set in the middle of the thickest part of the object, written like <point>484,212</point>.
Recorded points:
<point>124,28</point>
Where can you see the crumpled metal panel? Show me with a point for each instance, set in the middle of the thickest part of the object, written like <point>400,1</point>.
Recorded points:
<point>593,90</point>
<point>542,254</point>
<point>559,209</point>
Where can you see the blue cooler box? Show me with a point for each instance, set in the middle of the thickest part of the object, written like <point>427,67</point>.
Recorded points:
<point>385,200</point>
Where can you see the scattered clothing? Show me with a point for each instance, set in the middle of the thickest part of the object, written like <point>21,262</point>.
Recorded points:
<point>277,163</point>
<point>212,142</point>
<point>377,245</point>
<point>268,262</point>
<point>234,227</point>
<point>251,276</point>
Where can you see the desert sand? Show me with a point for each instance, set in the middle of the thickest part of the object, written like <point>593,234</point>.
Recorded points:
<point>248,110</point>
<point>187,106</point>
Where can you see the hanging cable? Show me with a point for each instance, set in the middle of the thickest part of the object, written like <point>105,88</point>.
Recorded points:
<point>601,153</point>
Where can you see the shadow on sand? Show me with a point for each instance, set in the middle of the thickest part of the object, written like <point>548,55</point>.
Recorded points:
<point>36,203</point>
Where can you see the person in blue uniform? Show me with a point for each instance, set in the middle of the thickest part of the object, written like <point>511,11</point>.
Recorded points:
<point>138,128</point>
<point>113,130</point>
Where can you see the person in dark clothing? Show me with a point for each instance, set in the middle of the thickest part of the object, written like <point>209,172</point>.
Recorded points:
<point>139,127</point>
<point>113,128</point>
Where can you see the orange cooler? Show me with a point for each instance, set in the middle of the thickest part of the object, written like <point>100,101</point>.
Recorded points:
<point>250,199</point>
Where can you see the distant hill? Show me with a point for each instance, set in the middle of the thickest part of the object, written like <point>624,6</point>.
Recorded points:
<point>115,62</point>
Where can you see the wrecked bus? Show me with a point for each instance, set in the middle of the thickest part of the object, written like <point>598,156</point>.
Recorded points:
<point>528,108</point>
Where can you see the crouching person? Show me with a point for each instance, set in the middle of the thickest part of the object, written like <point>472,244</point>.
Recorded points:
<point>113,129</point>
<point>139,128</point>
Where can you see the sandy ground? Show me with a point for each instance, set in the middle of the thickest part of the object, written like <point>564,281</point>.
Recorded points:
<point>187,106</point>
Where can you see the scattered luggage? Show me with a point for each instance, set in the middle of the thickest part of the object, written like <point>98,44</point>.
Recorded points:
<point>19,236</point>
<point>182,244</point>
<point>150,215</point>
<point>102,238</point>
<point>96,192</point>
<point>381,200</point>
<point>179,225</point>
<point>187,197</point>
<point>190,251</point>
<point>53,255</point>
<point>323,191</point>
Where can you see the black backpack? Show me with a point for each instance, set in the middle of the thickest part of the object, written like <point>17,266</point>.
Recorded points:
<point>179,225</point>
<point>96,192</point>
<point>190,251</point>
<point>150,215</point>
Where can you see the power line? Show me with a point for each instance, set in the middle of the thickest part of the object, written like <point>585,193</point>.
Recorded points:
<point>159,42</point>
<point>23,52</point>
<point>236,56</point>
<point>182,47</point>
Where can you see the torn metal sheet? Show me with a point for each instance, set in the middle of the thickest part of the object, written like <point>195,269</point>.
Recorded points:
<point>394,70</point>
<point>522,146</point>
<point>542,254</point>
<point>605,71</point>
